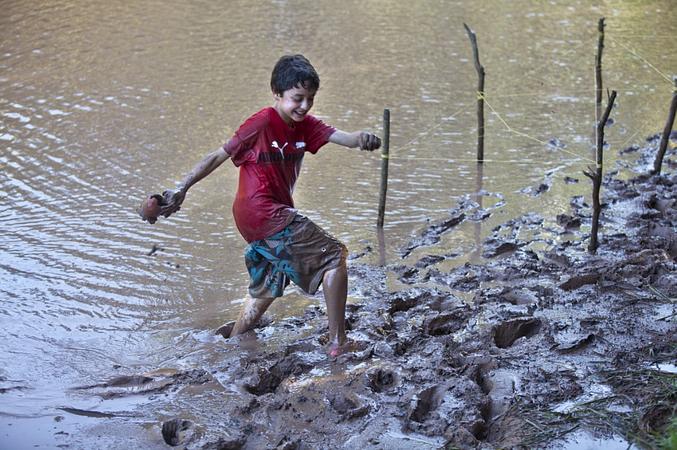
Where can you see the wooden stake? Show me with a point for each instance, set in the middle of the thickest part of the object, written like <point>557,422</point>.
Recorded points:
<point>385,154</point>
<point>480,94</point>
<point>380,235</point>
<point>658,162</point>
<point>479,180</point>
<point>596,175</point>
<point>598,70</point>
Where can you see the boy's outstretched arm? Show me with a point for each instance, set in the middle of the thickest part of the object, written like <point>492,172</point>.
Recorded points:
<point>174,198</point>
<point>363,139</point>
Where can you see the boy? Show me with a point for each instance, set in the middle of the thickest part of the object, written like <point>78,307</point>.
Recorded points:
<point>268,148</point>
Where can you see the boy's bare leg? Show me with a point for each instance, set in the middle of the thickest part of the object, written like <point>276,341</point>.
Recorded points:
<point>335,286</point>
<point>251,312</point>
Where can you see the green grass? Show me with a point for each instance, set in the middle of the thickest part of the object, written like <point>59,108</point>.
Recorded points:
<point>669,441</point>
<point>650,421</point>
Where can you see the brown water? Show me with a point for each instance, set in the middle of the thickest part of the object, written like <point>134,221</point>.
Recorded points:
<point>102,103</point>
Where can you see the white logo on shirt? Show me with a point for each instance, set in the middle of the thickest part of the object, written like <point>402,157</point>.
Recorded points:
<point>274,144</point>
<point>300,145</point>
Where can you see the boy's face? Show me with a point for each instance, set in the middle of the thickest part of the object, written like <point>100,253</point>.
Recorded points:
<point>294,104</point>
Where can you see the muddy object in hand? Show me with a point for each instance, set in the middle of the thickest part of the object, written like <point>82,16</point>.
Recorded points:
<point>150,207</point>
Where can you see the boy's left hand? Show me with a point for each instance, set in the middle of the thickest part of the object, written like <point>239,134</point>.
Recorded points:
<point>172,201</point>
<point>368,141</point>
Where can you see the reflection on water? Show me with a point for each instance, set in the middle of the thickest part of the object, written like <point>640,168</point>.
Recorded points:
<point>581,440</point>
<point>102,103</point>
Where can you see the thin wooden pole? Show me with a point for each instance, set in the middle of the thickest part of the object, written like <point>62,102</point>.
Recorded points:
<point>380,235</point>
<point>480,93</point>
<point>598,70</point>
<point>385,155</point>
<point>658,162</point>
<point>479,181</point>
<point>596,175</point>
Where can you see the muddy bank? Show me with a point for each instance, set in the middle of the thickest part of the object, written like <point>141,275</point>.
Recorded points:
<point>519,351</point>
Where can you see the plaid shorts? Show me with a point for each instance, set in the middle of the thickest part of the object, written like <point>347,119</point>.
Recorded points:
<point>302,252</point>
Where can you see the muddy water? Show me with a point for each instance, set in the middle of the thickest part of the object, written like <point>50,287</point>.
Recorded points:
<point>102,103</point>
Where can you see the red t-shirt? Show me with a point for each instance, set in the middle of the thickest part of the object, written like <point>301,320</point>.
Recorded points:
<point>269,154</point>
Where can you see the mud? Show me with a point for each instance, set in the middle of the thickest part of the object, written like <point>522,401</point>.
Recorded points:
<point>460,357</point>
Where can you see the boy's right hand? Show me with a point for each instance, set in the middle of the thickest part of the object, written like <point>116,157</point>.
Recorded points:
<point>368,141</point>
<point>172,201</point>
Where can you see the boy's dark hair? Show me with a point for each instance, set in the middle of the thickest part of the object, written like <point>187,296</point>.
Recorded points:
<point>291,71</point>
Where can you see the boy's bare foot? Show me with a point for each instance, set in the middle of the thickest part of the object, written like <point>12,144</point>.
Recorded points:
<point>335,350</point>
<point>226,329</point>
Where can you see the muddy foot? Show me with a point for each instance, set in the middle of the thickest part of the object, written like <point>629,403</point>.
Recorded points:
<point>349,346</point>
<point>227,328</point>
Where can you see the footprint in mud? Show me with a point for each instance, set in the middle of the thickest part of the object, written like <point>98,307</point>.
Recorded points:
<point>406,300</point>
<point>425,401</point>
<point>443,324</point>
<point>500,386</point>
<point>347,406</point>
<point>266,380</point>
<point>442,407</point>
<point>380,380</point>
<point>401,304</point>
<point>516,296</point>
<point>402,344</point>
<point>507,333</point>
<point>173,431</point>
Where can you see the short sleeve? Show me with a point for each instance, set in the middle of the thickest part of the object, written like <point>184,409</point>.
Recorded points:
<point>240,146</point>
<point>317,133</point>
